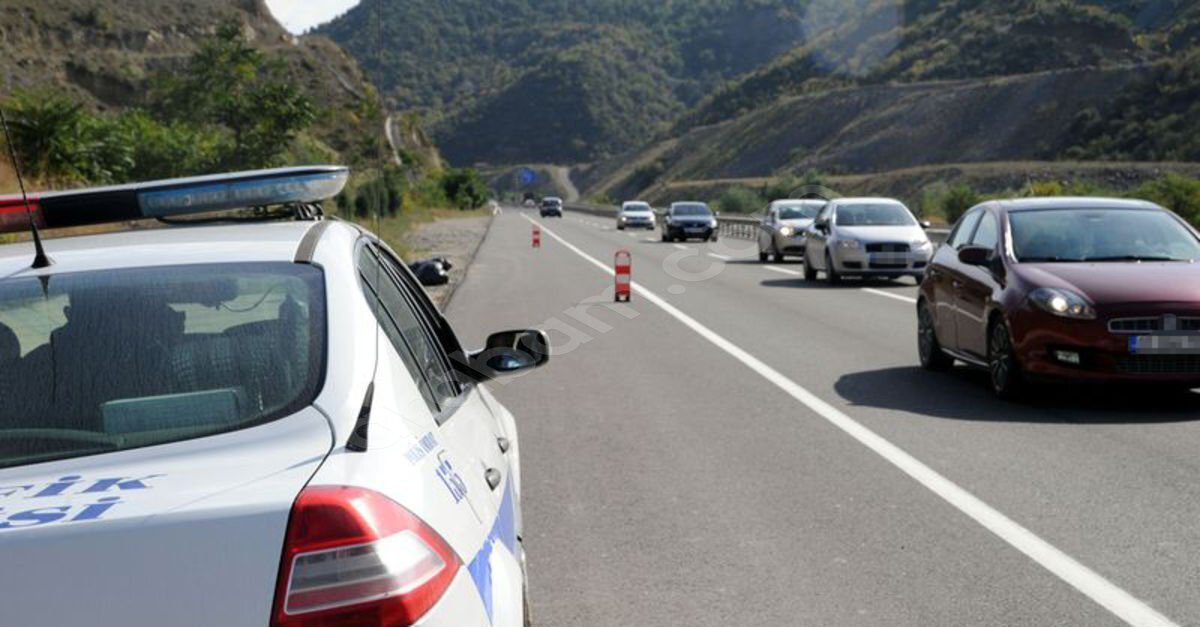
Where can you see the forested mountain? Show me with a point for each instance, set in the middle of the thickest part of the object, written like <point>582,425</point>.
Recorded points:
<point>109,56</point>
<point>514,81</point>
<point>505,78</point>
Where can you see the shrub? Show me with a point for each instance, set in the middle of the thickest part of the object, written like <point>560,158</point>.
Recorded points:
<point>1176,192</point>
<point>957,201</point>
<point>739,200</point>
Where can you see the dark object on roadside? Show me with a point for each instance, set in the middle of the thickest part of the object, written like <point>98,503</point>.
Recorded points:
<point>430,272</point>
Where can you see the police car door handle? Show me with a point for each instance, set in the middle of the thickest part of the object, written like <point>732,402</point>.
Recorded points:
<point>493,478</point>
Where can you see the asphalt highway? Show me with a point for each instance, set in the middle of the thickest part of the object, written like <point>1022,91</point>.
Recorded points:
<point>739,447</point>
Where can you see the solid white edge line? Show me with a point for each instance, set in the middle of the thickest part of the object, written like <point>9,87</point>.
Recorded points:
<point>783,271</point>
<point>1093,585</point>
<point>900,297</point>
<point>680,246</point>
<point>721,257</point>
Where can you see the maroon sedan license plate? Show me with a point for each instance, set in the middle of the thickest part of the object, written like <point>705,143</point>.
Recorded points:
<point>1164,344</point>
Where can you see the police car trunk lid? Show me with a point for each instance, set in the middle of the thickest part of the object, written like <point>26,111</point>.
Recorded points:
<point>188,533</point>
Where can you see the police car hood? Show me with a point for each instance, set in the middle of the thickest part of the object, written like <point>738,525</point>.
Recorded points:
<point>189,533</point>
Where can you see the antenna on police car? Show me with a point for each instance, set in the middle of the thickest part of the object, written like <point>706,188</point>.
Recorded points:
<point>40,259</point>
<point>359,439</point>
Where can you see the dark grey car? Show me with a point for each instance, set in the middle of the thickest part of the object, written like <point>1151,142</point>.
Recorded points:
<point>687,220</point>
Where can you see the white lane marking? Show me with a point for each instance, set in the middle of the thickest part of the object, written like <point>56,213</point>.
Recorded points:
<point>681,247</point>
<point>1116,600</point>
<point>721,257</point>
<point>783,270</point>
<point>907,299</point>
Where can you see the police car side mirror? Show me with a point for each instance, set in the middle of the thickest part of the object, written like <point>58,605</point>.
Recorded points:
<point>509,352</point>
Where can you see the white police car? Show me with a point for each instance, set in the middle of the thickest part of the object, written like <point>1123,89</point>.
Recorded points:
<point>245,424</point>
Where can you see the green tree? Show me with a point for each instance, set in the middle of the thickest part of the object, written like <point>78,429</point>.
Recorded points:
<point>55,138</point>
<point>465,188</point>
<point>229,84</point>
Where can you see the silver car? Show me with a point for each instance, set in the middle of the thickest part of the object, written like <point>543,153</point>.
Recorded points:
<point>866,237</point>
<point>635,214</point>
<point>784,227</point>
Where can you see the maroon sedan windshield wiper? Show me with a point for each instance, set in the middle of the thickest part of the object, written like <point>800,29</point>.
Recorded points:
<point>1133,258</point>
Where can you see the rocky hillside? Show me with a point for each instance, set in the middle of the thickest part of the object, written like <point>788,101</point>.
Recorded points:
<point>899,86</point>
<point>108,53</point>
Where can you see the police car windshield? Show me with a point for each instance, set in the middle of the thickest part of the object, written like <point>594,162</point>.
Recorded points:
<point>95,362</point>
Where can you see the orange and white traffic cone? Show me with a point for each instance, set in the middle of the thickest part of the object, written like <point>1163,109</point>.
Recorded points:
<point>623,289</point>
<point>537,236</point>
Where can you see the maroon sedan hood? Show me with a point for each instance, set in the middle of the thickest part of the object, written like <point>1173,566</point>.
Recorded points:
<point>1113,283</point>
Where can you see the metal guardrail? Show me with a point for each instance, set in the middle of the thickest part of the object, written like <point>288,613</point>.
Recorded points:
<point>738,227</point>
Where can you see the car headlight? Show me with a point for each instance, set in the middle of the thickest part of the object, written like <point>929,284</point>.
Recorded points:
<point>849,243</point>
<point>787,231</point>
<point>713,223</point>
<point>921,244</point>
<point>1064,303</point>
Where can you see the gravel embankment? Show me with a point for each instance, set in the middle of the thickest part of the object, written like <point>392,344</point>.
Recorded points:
<point>456,239</point>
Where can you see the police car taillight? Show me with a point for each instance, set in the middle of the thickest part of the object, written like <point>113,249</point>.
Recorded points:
<point>355,557</point>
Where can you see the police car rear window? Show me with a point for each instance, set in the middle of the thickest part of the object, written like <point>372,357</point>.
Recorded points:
<point>96,362</point>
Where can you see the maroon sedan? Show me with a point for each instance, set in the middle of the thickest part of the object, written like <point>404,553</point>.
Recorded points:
<point>1081,289</point>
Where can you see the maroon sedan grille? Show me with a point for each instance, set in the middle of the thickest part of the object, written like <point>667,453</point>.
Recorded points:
<point>1159,364</point>
<point>1134,325</point>
<point>1154,324</point>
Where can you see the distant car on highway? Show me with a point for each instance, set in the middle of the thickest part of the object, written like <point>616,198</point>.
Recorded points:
<point>552,206</point>
<point>530,203</point>
<point>262,421</point>
<point>1079,289</point>
<point>784,226</point>
<point>687,220</point>
<point>866,237</point>
<point>635,214</point>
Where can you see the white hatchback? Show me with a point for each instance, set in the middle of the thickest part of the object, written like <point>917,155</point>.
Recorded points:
<point>264,422</point>
<point>635,214</point>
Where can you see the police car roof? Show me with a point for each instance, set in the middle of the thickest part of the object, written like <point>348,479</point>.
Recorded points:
<point>168,246</point>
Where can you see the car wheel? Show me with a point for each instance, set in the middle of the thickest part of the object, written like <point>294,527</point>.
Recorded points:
<point>665,238</point>
<point>928,348</point>
<point>778,257</point>
<point>831,274</point>
<point>620,227</point>
<point>762,257</point>
<point>713,238</point>
<point>1003,369</point>
<point>810,271</point>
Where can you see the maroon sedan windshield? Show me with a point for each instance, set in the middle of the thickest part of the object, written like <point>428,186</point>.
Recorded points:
<point>1076,235</point>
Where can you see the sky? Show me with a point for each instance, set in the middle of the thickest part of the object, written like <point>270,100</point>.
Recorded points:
<point>300,15</point>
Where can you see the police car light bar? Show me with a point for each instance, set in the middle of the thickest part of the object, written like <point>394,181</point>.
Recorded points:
<point>173,197</point>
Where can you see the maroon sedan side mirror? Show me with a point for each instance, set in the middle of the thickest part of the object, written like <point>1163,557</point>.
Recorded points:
<point>975,255</point>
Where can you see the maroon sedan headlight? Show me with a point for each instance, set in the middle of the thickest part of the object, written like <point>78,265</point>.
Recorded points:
<point>1064,303</point>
